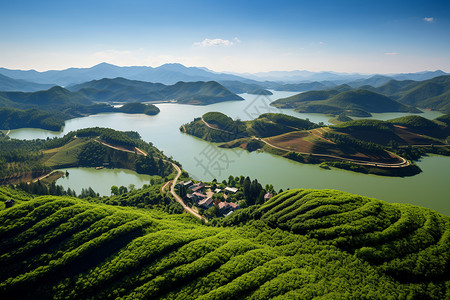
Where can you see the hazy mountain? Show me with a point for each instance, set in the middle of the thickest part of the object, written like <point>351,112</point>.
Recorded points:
<point>373,81</point>
<point>419,76</point>
<point>10,84</point>
<point>167,74</point>
<point>302,76</point>
<point>240,87</point>
<point>353,79</point>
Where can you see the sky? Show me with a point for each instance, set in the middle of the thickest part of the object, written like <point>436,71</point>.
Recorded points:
<point>228,36</point>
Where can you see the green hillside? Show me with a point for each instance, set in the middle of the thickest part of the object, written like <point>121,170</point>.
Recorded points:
<point>315,95</point>
<point>428,94</point>
<point>11,118</point>
<point>415,122</point>
<point>139,108</point>
<point>342,99</point>
<point>302,244</point>
<point>271,124</point>
<point>444,119</point>
<point>409,243</point>
<point>293,101</point>
<point>24,160</point>
<point>124,90</point>
<point>53,99</point>
<point>226,129</point>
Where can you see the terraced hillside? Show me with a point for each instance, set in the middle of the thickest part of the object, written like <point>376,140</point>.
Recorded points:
<point>409,243</point>
<point>67,248</point>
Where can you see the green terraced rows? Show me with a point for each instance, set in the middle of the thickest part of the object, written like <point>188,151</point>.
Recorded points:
<point>406,241</point>
<point>67,248</point>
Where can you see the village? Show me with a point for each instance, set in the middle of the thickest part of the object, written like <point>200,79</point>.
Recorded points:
<point>204,196</point>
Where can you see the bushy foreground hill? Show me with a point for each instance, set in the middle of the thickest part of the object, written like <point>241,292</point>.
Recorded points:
<point>302,244</point>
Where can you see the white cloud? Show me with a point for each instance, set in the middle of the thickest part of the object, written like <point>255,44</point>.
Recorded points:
<point>429,19</point>
<point>216,43</point>
<point>322,43</point>
<point>391,53</point>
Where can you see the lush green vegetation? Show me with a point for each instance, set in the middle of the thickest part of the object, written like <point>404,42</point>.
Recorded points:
<point>406,242</point>
<point>139,108</point>
<point>359,103</point>
<point>121,89</point>
<point>415,122</point>
<point>11,118</point>
<point>340,119</point>
<point>428,94</point>
<point>301,244</point>
<point>18,158</point>
<point>444,119</point>
<point>226,129</point>
<point>90,147</point>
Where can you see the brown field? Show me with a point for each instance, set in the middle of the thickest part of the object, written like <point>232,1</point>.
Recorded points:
<point>412,138</point>
<point>312,142</point>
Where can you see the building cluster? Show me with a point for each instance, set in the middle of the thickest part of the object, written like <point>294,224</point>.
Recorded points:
<point>199,197</point>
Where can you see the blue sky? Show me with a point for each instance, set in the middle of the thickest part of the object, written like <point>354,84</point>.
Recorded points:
<point>237,36</point>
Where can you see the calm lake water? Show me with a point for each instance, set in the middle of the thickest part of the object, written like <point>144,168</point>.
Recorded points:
<point>205,161</point>
<point>101,180</point>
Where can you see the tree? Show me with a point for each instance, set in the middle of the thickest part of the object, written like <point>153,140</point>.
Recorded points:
<point>114,190</point>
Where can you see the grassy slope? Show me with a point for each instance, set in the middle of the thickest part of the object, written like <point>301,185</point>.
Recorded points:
<point>67,248</point>
<point>65,155</point>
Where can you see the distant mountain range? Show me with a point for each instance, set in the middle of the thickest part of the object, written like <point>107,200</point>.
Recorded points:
<point>172,73</point>
<point>193,85</point>
<point>307,76</point>
<point>9,84</point>
<point>166,74</point>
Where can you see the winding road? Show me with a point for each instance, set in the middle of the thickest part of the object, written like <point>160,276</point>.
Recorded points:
<point>178,198</point>
<point>218,129</point>
<point>174,181</point>
<point>403,163</point>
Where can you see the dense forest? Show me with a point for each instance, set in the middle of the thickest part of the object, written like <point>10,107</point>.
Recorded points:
<point>301,244</point>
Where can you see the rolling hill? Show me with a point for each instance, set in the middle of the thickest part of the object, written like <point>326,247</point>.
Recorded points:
<point>428,94</point>
<point>124,90</point>
<point>301,244</point>
<point>218,127</point>
<point>342,99</point>
<point>55,98</point>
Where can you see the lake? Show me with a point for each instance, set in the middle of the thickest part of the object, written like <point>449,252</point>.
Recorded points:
<point>101,180</point>
<point>205,161</point>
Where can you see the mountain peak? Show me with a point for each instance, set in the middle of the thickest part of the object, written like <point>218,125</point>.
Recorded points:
<point>103,65</point>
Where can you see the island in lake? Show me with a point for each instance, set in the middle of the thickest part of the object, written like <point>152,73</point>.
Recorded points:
<point>367,146</point>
